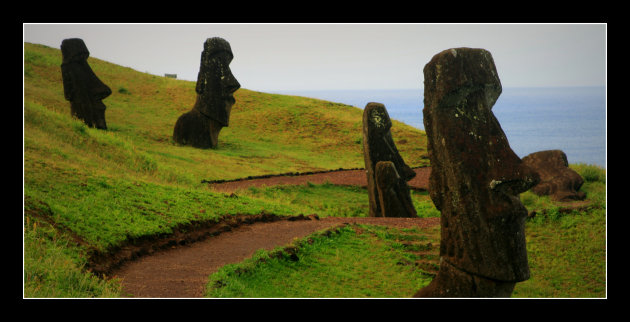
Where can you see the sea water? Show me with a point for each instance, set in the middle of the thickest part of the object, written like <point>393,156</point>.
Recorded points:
<point>571,119</point>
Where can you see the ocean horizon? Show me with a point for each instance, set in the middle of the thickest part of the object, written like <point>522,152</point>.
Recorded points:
<point>571,119</point>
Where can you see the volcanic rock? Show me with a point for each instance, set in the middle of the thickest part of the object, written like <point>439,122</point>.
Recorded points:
<point>556,178</point>
<point>475,179</point>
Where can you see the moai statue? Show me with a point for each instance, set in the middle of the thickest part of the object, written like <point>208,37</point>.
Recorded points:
<point>81,86</point>
<point>556,178</point>
<point>378,146</point>
<point>475,179</point>
<point>215,88</point>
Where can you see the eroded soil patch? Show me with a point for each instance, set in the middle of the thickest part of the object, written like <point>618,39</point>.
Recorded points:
<point>103,263</point>
<point>182,271</point>
<point>353,177</point>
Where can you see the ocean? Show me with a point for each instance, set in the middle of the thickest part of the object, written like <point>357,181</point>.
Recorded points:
<point>571,119</point>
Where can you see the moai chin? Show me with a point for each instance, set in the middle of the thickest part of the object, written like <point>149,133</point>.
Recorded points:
<point>475,179</point>
<point>215,88</point>
<point>81,87</point>
<point>378,146</point>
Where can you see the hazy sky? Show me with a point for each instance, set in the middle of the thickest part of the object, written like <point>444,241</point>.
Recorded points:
<point>289,57</point>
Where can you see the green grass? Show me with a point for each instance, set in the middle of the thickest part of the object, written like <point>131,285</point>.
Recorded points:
<point>53,266</point>
<point>567,251</point>
<point>567,256</point>
<point>590,172</point>
<point>354,262</point>
<point>133,208</point>
<point>331,200</point>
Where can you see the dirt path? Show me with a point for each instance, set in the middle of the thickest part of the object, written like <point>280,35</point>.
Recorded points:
<point>345,177</point>
<point>182,272</point>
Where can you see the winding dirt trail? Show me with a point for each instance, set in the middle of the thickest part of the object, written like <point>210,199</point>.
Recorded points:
<point>344,177</point>
<point>182,271</point>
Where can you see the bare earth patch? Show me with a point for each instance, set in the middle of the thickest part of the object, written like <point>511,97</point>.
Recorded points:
<point>181,271</point>
<point>345,177</point>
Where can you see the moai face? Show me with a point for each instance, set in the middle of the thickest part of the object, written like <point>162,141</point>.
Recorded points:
<point>378,142</point>
<point>476,178</point>
<point>82,88</point>
<point>215,82</point>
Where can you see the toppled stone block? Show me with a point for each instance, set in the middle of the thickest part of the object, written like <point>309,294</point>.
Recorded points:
<point>557,180</point>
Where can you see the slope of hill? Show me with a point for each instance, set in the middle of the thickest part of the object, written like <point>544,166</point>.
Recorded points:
<point>268,133</point>
<point>107,188</point>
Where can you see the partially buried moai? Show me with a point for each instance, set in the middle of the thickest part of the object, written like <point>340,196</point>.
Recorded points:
<point>556,178</point>
<point>475,179</point>
<point>387,172</point>
<point>215,88</point>
<point>81,87</point>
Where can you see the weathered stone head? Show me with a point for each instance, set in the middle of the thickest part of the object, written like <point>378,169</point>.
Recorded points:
<point>378,145</point>
<point>215,82</point>
<point>215,88</point>
<point>475,180</point>
<point>81,87</point>
<point>556,178</point>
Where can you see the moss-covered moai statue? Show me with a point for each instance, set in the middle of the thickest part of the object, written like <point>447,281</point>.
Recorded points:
<point>81,87</point>
<point>389,184</point>
<point>215,88</point>
<point>475,179</point>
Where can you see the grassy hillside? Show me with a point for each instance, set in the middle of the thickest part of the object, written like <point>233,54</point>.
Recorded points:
<point>268,133</point>
<point>104,188</point>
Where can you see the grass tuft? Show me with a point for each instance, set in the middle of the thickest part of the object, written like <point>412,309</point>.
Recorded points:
<point>352,262</point>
